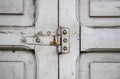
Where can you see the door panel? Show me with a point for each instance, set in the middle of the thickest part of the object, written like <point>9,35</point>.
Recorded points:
<point>100,65</point>
<point>11,7</point>
<point>95,13</point>
<point>13,70</point>
<point>17,65</point>
<point>104,8</point>
<point>19,31</point>
<point>97,38</point>
<point>99,30</point>
<point>17,13</point>
<point>104,70</point>
<point>100,47</point>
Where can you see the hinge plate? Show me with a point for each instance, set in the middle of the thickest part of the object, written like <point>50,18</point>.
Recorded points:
<point>63,40</point>
<point>39,40</point>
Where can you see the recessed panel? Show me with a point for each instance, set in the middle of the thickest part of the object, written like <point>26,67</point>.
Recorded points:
<point>104,7</point>
<point>17,12</point>
<point>17,65</point>
<point>100,65</point>
<point>102,39</point>
<point>11,6</point>
<point>12,70</point>
<point>100,13</point>
<point>105,70</point>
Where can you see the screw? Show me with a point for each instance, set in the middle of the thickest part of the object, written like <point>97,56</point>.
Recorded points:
<point>24,40</point>
<point>64,32</point>
<point>65,39</point>
<point>40,33</point>
<point>37,40</point>
<point>65,48</point>
<point>51,43</point>
<point>48,33</point>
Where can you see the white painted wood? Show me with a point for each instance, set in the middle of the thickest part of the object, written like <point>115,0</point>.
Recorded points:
<point>47,61</point>
<point>11,70</point>
<point>47,22</point>
<point>112,70</point>
<point>93,38</point>
<point>11,6</point>
<point>104,8</point>
<point>27,19</point>
<point>47,16</point>
<point>104,70</point>
<point>17,64</point>
<point>68,18</point>
<point>86,20</point>
<point>13,36</point>
<point>100,47</point>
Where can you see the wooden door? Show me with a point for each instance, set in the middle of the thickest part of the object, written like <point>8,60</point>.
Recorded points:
<point>24,53</point>
<point>94,39</point>
<point>100,47</point>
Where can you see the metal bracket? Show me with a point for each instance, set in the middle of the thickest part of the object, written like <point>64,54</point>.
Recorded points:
<point>61,40</point>
<point>39,40</point>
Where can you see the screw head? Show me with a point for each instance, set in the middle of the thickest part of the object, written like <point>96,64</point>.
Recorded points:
<point>38,40</point>
<point>65,39</point>
<point>65,48</point>
<point>40,33</point>
<point>64,32</point>
<point>51,43</point>
<point>48,33</point>
<point>24,40</point>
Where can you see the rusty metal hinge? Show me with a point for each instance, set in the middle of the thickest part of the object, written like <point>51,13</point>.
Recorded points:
<point>60,40</point>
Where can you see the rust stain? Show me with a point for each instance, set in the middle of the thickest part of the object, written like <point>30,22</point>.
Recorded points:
<point>53,42</point>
